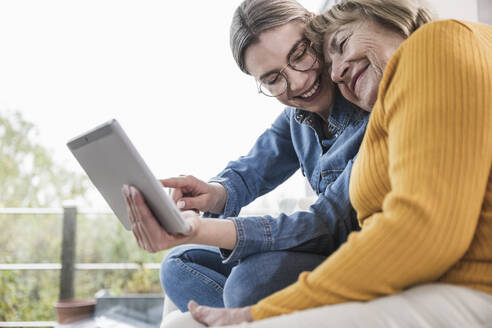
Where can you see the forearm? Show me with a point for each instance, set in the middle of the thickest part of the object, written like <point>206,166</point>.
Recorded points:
<point>320,230</point>
<point>216,232</point>
<point>300,231</point>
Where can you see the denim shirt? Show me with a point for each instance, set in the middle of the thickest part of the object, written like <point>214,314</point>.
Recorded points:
<point>297,140</point>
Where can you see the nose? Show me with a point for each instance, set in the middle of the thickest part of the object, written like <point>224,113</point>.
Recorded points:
<point>297,80</point>
<point>339,69</point>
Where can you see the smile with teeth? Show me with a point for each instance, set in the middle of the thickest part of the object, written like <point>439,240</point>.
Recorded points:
<point>311,91</point>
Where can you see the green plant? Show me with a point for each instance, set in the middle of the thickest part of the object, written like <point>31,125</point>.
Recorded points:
<point>29,177</point>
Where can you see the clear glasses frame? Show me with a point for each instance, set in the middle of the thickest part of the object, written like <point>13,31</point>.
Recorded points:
<point>301,58</point>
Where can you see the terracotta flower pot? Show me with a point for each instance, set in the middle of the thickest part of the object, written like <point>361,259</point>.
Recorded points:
<point>68,311</point>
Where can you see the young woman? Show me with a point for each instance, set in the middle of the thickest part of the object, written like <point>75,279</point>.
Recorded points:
<point>248,258</point>
<point>421,184</point>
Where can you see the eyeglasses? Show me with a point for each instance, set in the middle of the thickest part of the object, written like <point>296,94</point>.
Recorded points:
<point>301,58</point>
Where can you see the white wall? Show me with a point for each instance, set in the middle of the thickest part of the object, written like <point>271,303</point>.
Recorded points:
<point>459,9</point>
<point>485,11</point>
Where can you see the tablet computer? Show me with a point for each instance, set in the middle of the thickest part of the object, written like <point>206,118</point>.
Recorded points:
<point>110,160</point>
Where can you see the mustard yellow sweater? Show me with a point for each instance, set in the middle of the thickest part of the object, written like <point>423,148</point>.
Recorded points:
<point>422,183</point>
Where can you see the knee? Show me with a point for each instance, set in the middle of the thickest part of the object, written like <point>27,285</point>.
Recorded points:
<point>240,289</point>
<point>248,282</point>
<point>169,271</point>
<point>169,261</point>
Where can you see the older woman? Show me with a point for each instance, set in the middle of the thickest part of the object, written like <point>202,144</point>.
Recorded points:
<point>421,184</point>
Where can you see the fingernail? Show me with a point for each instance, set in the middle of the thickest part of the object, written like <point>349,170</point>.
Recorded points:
<point>133,191</point>
<point>181,204</point>
<point>126,192</point>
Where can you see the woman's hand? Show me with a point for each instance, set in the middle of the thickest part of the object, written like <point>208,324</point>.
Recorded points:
<point>219,317</point>
<point>148,232</point>
<point>190,193</point>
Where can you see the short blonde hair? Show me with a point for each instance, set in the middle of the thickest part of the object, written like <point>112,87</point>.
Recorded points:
<point>253,17</point>
<point>402,16</point>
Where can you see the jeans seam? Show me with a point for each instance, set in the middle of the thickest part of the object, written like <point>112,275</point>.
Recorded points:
<point>200,275</point>
<point>268,235</point>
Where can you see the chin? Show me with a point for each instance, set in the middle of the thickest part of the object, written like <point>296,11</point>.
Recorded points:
<point>371,101</point>
<point>367,106</point>
<point>366,99</point>
<point>315,110</point>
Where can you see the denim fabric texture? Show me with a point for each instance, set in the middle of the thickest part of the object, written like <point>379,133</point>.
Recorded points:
<point>295,141</point>
<point>196,272</point>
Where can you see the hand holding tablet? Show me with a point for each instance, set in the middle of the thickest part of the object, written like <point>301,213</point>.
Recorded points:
<point>111,161</point>
<point>138,198</point>
<point>148,233</point>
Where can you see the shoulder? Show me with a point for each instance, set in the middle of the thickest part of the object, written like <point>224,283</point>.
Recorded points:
<point>439,61</point>
<point>437,46</point>
<point>445,35</point>
<point>442,46</point>
<point>442,28</point>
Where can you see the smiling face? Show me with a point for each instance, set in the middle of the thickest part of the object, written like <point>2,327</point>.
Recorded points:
<point>358,53</point>
<point>311,90</point>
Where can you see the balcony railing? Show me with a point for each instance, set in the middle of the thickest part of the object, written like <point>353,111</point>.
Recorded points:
<point>67,265</point>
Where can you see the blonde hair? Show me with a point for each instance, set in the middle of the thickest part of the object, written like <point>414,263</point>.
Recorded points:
<point>402,16</point>
<point>255,16</point>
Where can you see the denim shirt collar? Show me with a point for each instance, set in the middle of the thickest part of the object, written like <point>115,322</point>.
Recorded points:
<point>339,118</point>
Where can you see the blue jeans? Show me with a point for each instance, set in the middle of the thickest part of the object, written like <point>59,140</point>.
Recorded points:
<point>196,272</point>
